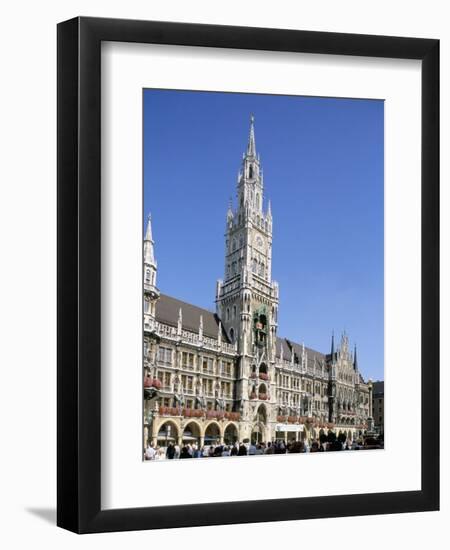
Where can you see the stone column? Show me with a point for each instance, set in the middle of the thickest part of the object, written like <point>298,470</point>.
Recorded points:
<point>145,437</point>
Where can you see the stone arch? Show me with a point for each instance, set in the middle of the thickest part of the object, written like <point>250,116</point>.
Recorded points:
<point>262,390</point>
<point>258,433</point>
<point>192,432</point>
<point>261,415</point>
<point>212,433</point>
<point>263,368</point>
<point>230,433</point>
<point>167,431</point>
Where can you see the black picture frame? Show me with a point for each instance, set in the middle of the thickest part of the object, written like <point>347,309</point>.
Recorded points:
<point>79,280</point>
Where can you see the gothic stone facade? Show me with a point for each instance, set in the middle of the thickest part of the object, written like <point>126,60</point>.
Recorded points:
<point>228,376</point>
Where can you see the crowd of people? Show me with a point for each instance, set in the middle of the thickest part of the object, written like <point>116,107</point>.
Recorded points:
<point>192,450</point>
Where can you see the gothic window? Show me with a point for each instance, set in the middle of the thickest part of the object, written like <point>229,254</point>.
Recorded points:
<point>254,266</point>
<point>234,312</point>
<point>228,314</point>
<point>241,241</point>
<point>232,335</point>
<point>250,171</point>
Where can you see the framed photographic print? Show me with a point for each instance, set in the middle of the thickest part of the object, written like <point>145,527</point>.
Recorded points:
<point>248,288</point>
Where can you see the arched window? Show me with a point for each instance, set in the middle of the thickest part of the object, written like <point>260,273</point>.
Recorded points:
<point>232,335</point>
<point>234,312</point>
<point>254,266</point>
<point>250,171</point>
<point>228,314</point>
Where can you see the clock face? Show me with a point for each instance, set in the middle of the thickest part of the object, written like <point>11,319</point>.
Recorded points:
<point>259,242</point>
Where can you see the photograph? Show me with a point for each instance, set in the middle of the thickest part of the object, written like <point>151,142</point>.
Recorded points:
<point>263,274</point>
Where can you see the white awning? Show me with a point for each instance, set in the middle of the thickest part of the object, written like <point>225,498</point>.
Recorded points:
<point>290,428</point>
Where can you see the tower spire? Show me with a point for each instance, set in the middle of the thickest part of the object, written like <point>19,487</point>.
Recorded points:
<point>149,252</point>
<point>355,360</point>
<point>251,147</point>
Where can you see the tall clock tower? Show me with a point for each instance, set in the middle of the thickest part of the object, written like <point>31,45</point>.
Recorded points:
<point>247,298</point>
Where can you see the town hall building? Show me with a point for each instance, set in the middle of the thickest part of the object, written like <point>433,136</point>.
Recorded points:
<point>228,376</point>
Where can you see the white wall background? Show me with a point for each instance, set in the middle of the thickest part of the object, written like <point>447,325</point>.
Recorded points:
<point>28,265</point>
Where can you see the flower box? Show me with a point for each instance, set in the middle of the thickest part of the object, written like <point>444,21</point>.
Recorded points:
<point>215,414</point>
<point>232,415</point>
<point>152,383</point>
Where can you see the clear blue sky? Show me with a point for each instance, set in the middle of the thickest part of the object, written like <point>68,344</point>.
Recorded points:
<point>323,162</point>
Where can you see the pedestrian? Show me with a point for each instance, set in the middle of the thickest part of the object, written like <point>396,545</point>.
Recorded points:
<point>242,450</point>
<point>269,448</point>
<point>150,452</point>
<point>177,451</point>
<point>170,452</point>
<point>185,452</point>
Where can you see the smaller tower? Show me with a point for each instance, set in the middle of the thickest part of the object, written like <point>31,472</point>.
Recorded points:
<point>151,292</point>
<point>332,383</point>
<point>355,368</point>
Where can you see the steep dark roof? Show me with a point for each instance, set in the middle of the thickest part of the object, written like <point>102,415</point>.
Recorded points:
<point>282,343</point>
<point>287,346</point>
<point>378,388</point>
<point>167,309</point>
